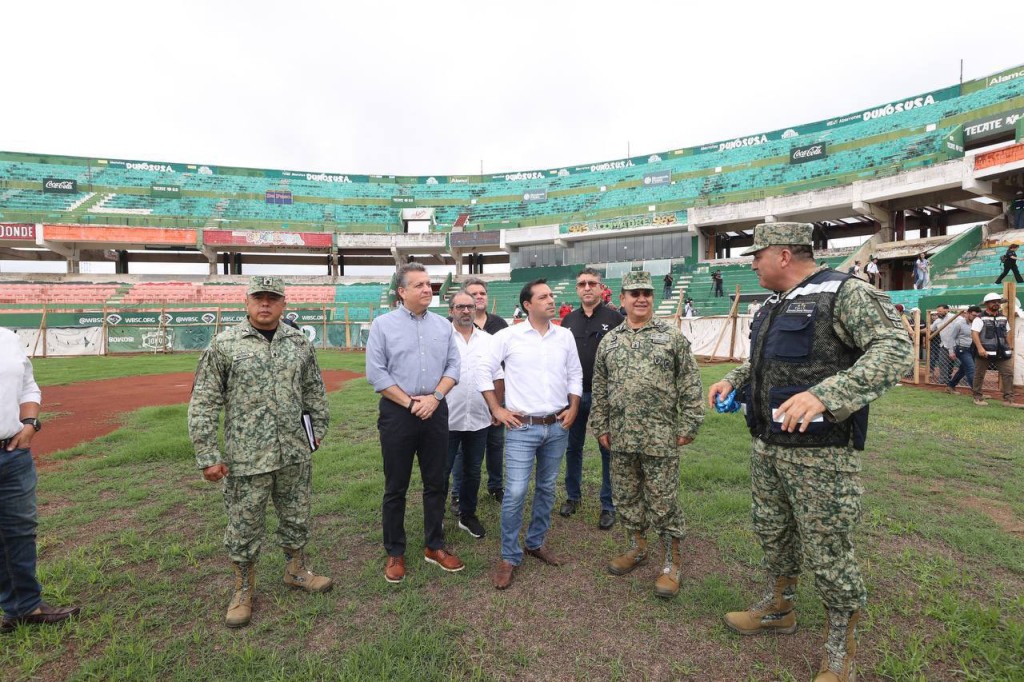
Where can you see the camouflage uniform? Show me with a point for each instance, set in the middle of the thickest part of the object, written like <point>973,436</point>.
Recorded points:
<point>647,391</point>
<point>263,387</point>
<point>806,500</point>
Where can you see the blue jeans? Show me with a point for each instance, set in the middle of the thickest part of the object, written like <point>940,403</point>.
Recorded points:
<point>467,449</point>
<point>523,446</point>
<point>574,459</point>
<point>966,369</point>
<point>20,592</point>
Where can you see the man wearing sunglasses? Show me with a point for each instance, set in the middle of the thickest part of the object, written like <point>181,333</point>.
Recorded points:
<point>588,324</point>
<point>647,405</point>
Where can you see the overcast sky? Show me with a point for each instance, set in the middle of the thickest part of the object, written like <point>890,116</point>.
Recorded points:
<point>434,88</point>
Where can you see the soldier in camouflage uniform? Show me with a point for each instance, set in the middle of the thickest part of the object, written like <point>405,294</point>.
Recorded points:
<point>821,349</point>
<point>265,377</point>
<point>647,405</point>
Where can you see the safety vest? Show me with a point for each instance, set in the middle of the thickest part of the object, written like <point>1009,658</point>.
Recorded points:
<point>994,335</point>
<point>794,346</point>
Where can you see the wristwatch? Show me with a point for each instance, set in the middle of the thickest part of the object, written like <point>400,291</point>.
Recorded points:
<point>438,396</point>
<point>33,422</point>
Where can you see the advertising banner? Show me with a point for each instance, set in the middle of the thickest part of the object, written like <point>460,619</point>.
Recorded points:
<point>19,231</point>
<point>954,143</point>
<point>60,186</point>
<point>535,196</point>
<point>155,166</point>
<point>811,152</point>
<point>280,197</point>
<point>255,238</point>
<point>659,178</point>
<point>999,157</point>
<point>120,235</point>
<point>403,201</point>
<point>645,220</point>
<point>165,191</point>
<point>984,130</point>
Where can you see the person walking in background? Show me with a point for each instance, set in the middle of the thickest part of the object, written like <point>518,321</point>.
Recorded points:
<point>872,272</point>
<point>588,324</point>
<point>962,348</point>
<point>647,406</point>
<point>412,361</point>
<point>21,595</point>
<point>824,347</point>
<point>265,377</point>
<point>922,271</point>
<point>543,385</point>
<point>666,291</point>
<point>1009,262</point>
<point>990,333</point>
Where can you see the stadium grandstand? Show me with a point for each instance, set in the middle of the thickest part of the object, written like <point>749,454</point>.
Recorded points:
<point>935,172</point>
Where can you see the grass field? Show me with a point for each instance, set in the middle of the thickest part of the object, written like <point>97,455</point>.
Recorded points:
<point>129,530</point>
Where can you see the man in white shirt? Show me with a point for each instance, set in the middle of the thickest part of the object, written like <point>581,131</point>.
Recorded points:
<point>872,272</point>
<point>543,386</point>
<point>21,597</point>
<point>943,326</point>
<point>469,419</point>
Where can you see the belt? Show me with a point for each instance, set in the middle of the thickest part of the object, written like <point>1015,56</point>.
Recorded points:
<point>546,420</point>
<point>5,442</point>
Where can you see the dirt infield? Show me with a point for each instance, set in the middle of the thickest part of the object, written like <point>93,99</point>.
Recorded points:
<point>90,409</point>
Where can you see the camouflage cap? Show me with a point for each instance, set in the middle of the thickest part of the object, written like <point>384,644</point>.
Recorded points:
<point>261,283</point>
<point>637,280</point>
<point>780,234</point>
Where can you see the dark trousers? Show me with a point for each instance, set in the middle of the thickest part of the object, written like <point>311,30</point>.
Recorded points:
<point>403,436</point>
<point>20,592</point>
<point>495,459</point>
<point>1007,269</point>
<point>467,449</point>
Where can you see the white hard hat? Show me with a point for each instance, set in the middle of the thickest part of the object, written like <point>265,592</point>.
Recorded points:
<point>992,297</point>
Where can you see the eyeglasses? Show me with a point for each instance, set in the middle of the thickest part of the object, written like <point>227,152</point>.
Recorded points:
<point>587,284</point>
<point>463,306</point>
<point>640,293</point>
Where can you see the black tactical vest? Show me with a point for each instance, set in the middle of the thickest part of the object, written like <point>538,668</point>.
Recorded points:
<point>994,335</point>
<point>793,347</point>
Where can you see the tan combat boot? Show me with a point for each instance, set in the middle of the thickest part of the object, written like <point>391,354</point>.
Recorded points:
<point>667,584</point>
<point>635,556</point>
<point>840,647</point>
<point>298,577</point>
<point>240,607</point>
<point>774,613</point>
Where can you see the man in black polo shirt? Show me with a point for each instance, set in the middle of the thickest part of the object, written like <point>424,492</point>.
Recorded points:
<point>588,324</point>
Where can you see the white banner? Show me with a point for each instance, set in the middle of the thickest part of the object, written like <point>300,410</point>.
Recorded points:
<point>712,336</point>
<point>62,342</point>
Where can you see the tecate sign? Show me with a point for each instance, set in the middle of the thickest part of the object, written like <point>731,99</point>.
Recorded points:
<point>811,152</point>
<point>60,186</point>
<point>17,231</point>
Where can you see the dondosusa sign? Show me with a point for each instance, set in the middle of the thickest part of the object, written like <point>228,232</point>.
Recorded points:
<point>60,186</point>
<point>811,152</point>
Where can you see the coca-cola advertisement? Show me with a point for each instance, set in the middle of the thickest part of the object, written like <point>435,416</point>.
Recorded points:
<point>811,152</point>
<point>60,186</point>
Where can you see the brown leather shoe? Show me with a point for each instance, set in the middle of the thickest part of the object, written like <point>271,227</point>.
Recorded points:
<point>448,562</point>
<point>46,615</point>
<point>545,555</point>
<point>394,571</point>
<point>503,573</point>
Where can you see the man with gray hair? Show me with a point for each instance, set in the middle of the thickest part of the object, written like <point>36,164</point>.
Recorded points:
<point>413,362</point>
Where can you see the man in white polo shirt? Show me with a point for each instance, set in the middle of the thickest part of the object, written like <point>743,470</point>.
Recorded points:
<point>543,385</point>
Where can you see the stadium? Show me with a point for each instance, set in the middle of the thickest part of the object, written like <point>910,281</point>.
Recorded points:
<point>935,172</point>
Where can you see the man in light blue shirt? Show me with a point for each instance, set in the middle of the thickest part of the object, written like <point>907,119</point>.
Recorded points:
<point>412,361</point>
